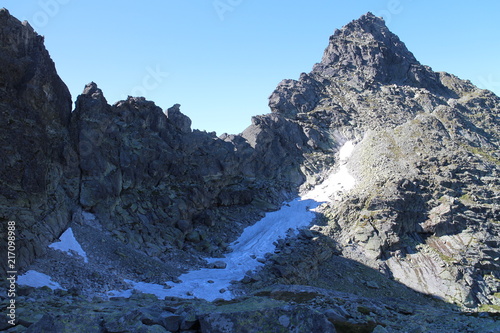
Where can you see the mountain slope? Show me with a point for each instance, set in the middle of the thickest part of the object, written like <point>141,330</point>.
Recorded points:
<point>425,210</point>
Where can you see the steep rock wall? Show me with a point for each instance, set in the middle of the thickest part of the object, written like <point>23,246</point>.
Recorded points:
<point>39,169</point>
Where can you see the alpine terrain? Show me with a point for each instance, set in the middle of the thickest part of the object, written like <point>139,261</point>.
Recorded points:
<point>367,200</point>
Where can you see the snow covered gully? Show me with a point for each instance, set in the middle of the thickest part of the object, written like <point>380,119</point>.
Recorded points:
<point>255,241</point>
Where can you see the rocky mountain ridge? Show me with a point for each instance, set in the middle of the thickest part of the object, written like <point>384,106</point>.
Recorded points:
<point>424,211</point>
<point>117,154</point>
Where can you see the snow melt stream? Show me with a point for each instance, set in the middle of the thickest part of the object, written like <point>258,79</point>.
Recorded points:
<point>255,241</point>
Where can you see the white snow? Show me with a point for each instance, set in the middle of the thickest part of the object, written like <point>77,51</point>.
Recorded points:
<point>346,151</point>
<point>256,241</point>
<point>337,182</point>
<point>123,293</point>
<point>88,217</point>
<point>36,279</point>
<point>69,244</point>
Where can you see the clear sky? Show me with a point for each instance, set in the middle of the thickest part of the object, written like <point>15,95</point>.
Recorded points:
<point>221,59</point>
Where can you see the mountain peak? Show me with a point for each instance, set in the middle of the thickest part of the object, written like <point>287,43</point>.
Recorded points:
<point>363,55</point>
<point>366,21</point>
<point>402,176</point>
<point>367,48</point>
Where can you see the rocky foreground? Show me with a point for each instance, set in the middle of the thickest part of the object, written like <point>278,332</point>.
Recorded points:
<point>283,308</point>
<point>412,247</point>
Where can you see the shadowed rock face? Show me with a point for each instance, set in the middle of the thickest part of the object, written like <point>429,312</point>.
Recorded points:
<point>141,164</point>
<point>39,169</point>
<point>424,211</point>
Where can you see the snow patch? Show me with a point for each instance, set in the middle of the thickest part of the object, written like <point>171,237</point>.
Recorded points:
<point>121,293</point>
<point>256,241</point>
<point>69,244</point>
<point>346,151</point>
<point>36,279</point>
<point>88,217</point>
<point>337,182</point>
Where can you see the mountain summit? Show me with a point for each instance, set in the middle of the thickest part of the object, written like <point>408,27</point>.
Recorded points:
<point>397,167</point>
<point>363,55</point>
<point>366,48</point>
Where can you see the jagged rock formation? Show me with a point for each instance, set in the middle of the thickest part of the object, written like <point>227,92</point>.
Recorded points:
<point>156,183</point>
<point>424,211</point>
<point>150,179</point>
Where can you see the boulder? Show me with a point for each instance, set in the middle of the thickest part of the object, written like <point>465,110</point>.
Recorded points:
<point>289,319</point>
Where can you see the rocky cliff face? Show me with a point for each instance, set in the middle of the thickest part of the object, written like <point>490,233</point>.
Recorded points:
<point>424,210</point>
<point>39,169</point>
<point>155,183</point>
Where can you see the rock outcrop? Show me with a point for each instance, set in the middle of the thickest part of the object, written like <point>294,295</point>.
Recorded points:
<point>39,171</point>
<point>156,183</point>
<point>278,309</point>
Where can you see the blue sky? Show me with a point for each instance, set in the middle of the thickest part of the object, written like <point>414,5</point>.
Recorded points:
<point>221,59</point>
